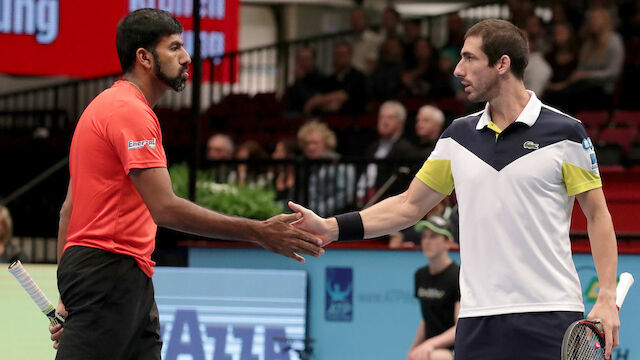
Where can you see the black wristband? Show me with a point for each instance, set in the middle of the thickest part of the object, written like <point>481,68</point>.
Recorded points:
<point>350,226</point>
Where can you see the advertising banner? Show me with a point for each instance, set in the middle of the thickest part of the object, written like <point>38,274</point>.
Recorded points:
<point>77,38</point>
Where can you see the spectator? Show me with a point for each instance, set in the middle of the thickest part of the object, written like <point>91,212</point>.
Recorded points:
<point>537,34</point>
<point>390,145</point>
<point>437,288</point>
<point>538,71</point>
<point>220,147</point>
<point>410,34</point>
<point>284,176</point>
<point>410,237</point>
<point>251,173</point>
<point>343,91</point>
<point>563,55</point>
<point>365,43</point>
<point>308,80</point>
<point>390,24</point>
<point>386,82</point>
<point>455,35</point>
<point>429,123</point>
<point>419,80</point>
<point>6,232</point>
<point>599,65</point>
<point>331,186</point>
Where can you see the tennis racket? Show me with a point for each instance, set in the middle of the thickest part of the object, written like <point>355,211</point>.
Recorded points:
<point>17,270</point>
<point>584,339</point>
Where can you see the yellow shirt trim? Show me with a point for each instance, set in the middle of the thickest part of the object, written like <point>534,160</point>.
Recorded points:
<point>579,180</point>
<point>495,128</point>
<point>436,174</point>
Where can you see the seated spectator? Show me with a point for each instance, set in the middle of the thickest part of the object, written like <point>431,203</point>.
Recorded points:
<point>343,91</point>
<point>365,43</point>
<point>390,145</point>
<point>436,333</point>
<point>538,72</point>
<point>390,24</point>
<point>410,34</point>
<point>331,186</point>
<point>386,82</point>
<point>410,237</point>
<point>600,63</point>
<point>221,147</point>
<point>563,55</point>
<point>6,232</point>
<point>419,80</point>
<point>537,34</point>
<point>284,176</point>
<point>251,173</point>
<point>308,80</point>
<point>429,122</point>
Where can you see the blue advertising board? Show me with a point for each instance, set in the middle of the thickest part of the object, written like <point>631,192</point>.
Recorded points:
<point>385,312</point>
<point>231,314</point>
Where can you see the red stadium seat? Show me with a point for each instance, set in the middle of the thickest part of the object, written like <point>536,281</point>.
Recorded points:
<point>367,121</point>
<point>338,122</point>
<point>593,119</point>
<point>626,118</point>
<point>622,137</point>
<point>451,106</point>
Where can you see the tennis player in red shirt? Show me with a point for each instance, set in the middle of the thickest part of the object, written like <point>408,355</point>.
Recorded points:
<point>120,191</point>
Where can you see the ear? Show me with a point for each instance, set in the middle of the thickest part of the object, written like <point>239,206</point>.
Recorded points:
<point>503,65</point>
<point>144,57</point>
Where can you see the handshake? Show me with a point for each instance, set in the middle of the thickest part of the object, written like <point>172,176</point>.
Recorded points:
<point>301,232</point>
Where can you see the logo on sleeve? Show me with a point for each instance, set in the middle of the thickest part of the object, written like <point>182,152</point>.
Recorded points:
<point>587,144</point>
<point>133,145</point>
<point>530,145</point>
<point>594,162</point>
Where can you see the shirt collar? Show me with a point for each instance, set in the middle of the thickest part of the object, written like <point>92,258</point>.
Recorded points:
<point>528,116</point>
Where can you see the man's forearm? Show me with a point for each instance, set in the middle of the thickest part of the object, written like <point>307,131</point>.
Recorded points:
<point>604,251</point>
<point>188,217</point>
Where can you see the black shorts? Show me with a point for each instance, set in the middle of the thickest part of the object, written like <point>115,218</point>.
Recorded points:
<point>523,336</point>
<point>111,306</point>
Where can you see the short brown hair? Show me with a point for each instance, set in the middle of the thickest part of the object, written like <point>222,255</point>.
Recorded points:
<point>500,37</point>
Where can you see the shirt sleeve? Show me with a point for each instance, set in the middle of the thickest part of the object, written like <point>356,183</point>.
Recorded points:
<point>436,171</point>
<point>137,140</point>
<point>580,166</point>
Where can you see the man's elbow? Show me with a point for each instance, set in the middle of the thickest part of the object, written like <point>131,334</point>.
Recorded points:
<point>164,213</point>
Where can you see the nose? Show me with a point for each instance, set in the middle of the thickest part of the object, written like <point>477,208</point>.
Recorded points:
<point>458,71</point>
<point>186,57</point>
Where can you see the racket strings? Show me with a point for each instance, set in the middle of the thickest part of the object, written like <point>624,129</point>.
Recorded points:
<point>584,344</point>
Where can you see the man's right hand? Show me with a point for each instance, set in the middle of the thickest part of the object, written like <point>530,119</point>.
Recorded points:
<point>277,235</point>
<point>57,330</point>
<point>325,229</point>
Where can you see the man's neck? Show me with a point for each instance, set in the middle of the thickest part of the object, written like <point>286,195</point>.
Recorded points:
<point>439,263</point>
<point>145,84</point>
<point>506,107</point>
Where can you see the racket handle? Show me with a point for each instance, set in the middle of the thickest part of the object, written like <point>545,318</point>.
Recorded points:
<point>55,318</point>
<point>626,280</point>
<point>21,274</point>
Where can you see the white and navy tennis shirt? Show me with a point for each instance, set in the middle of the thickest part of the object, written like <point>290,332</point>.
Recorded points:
<point>515,190</point>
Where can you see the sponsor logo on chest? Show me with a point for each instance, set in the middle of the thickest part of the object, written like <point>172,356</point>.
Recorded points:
<point>430,293</point>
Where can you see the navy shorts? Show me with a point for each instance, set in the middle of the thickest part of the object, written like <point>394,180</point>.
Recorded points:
<point>522,336</point>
